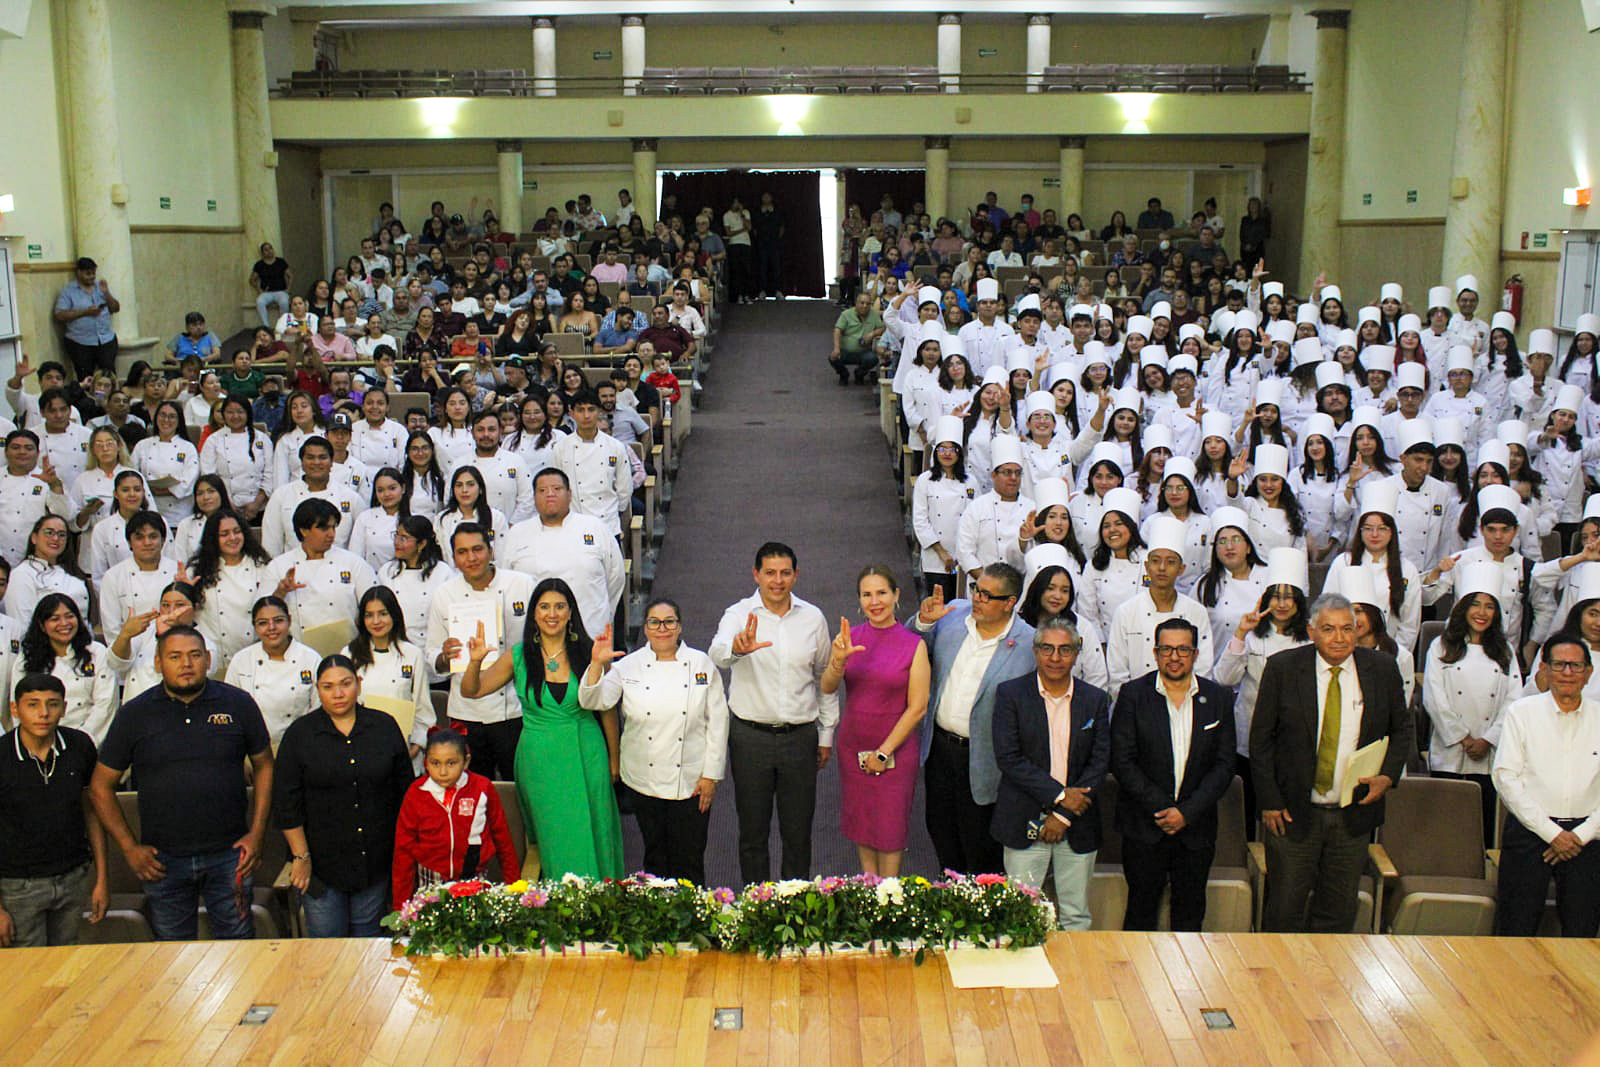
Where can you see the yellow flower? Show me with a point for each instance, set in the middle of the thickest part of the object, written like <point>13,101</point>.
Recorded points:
<point>517,888</point>
<point>686,883</point>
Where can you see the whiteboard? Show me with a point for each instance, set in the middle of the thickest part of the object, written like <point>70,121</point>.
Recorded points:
<point>1575,288</point>
<point>8,294</point>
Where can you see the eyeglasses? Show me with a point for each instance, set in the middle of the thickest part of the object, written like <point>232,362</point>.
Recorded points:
<point>1056,651</point>
<point>660,624</point>
<point>47,532</point>
<point>1370,529</point>
<point>1232,541</point>
<point>981,595</point>
<point>1175,650</point>
<point>1567,667</point>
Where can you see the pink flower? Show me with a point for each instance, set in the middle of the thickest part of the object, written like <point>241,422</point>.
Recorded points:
<point>466,889</point>
<point>722,896</point>
<point>535,898</point>
<point>991,879</point>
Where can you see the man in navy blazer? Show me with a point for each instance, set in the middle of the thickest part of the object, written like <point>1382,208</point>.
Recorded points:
<point>1172,746</point>
<point>1052,743</point>
<point>973,646</point>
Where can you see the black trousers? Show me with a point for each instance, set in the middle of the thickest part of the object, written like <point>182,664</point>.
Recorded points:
<point>772,768</point>
<point>493,746</point>
<point>1151,867</point>
<point>674,833</point>
<point>958,824</point>
<point>945,580</point>
<point>1241,767</point>
<point>1525,883</point>
<point>86,359</point>
<point>1313,880</point>
<point>1486,795</point>
<point>740,263</point>
<point>769,270</point>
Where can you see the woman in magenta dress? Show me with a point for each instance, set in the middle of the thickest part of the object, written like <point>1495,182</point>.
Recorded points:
<point>884,668</point>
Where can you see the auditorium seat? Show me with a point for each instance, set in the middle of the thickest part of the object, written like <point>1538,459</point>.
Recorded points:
<point>126,918</point>
<point>1432,835</point>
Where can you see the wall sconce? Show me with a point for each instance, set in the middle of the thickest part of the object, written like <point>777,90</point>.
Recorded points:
<point>1578,197</point>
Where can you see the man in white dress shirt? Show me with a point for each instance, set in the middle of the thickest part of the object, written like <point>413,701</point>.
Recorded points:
<point>1131,644</point>
<point>505,476</point>
<point>559,543</point>
<point>1548,777</point>
<point>596,464</point>
<point>775,647</point>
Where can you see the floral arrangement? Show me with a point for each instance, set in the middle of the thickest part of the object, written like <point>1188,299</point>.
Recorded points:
<point>642,914</point>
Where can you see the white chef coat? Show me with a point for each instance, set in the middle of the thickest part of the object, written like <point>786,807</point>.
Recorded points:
<point>68,451</point>
<point>1421,517</point>
<point>91,693</point>
<point>987,531</point>
<point>535,458</point>
<point>127,590</point>
<point>446,522</point>
<point>1236,598</point>
<point>286,455</point>
<point>378,446</point>
<point>177,458</point>
<point>1102,592</point>
<point>1196,550</point>
<point>1465,698</point>
<point>601,476</point>
<point>936,509</point>
<point>108,545</point>
<point>401,673</point>
<point>414,592</point>
<point>224,612</point>
<point>580,550</point>
<point>1323,508</point>
<point>423,500</point>
<point>284,689</point>
<point>32,580</point>
<point>986,346</point>
<point>1405,629</point>
<point>507,480</point>
<point>244,466</point>
<point>372,536</point>
<point>513,591</point>
<point>333,586</point>
<point>24,499</point>
<point>451,446</point>
<point>277,520</point>
<point>1545,767</point>
<point>1269,527</point>
<point>1240,664</point>
<point>1130,646</point>
<point>675,717</point>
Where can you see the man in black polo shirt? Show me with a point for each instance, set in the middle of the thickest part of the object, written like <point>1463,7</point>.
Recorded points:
<point>48,835</point>
<point>186,741</point>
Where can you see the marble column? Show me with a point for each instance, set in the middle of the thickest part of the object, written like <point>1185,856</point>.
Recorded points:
<point>99,195</point>
<point>1319,241</point>
<point>949,52</point>
<point>936,176</point>
<point>632,53</point>
<point>544,57</point>
<point>508,159</point>
<point>644,180</point>
<point>1472,238</point>
<point>1038,51</point>
<point>1070,168</point>
<point>252,131</point>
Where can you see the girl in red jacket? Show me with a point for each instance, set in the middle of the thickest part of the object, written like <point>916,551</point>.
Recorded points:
<point>451,823</point>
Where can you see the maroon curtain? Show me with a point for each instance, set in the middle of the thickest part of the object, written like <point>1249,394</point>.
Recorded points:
<point>866,188</point>
<point>794,192</point>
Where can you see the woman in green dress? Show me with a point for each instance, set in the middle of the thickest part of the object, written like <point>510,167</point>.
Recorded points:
<point>567,758</point>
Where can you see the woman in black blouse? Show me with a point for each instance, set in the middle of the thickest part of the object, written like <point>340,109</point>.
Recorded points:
<point>341,773</point>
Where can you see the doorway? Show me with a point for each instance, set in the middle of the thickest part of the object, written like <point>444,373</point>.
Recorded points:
<point>796,194</point>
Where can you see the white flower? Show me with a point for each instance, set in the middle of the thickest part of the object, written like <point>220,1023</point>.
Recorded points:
<point>791,887</point>
<point>572,879</point>
<point>889,892</point>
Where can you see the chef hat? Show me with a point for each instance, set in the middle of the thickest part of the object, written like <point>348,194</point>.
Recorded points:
<point>1131,399</point>
<point>1103,313</point>
<point>1411,376</point>
<point>1227,516</point>
<point>1460,358</point>
<point>1307,350</point>
<point>1329,372</point>
<point>1330,292</point>
<point>1365,415</point>
<point>1180,467</point>
<point>1029,305</point>
<point>1049,493</point>
<point>1465,282</point>
<point>1570,398</point>
<point>1164,532</point>
<point>1153,357</point>
<point>951,344</point>
<point>1346,338</point>
<point>1216,424</point>
<point>1587,582</point>
<point>1370,313</point>
<point>1380,496</point>
<point>1503,320</point>
<point>1038,401</point>
<point>1439,297</point>
<point>1286,565</point>
<point>1391,291</point>
<point>1270,391</point>
<point>1083,311</point>
<point>1494,450</point>
<point>1272,289</point>
<point>1157,436</point>
<point>1243,319</point>
<point>988,289</point>
<point>1357,586</point>
<point>1499,498</point>
<point>1141,325</point>
<point>1449,431</point>
<point>1039,557</point>
<point>1588,323</point>
<point>1019,358</point>
<point>1161,309</point>
<point>1126,502</point>
<point>1480,577</point>
<point>1591,507</point>
<point>932,330</point>
<point>1378,357</point>
<point>1095,352</point>
<point>951,429</point>
<point>996,375</point>
<point>1307,314</point>
<point>1414,434</point>
<point>1409,323</point>
<point>1512,432</point>
<point>1106,452</point>
<point>1280,332</point>
<point>1271,459</point>
<point>1224,322</point>
<point>1545,340</point>
<point>1193,329</point>
<point>930,294</point>
<point>1183,362</point>
<point>1004,449</point>
<point>1317,424</point>
<point>1065,371</point>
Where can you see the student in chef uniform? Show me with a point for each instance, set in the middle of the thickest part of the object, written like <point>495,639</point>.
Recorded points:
<point>241,456</point>
<point>1560,453</point>
<point>229,574</point>
<point>1052,581</point>
<point>1232,585</point>
<point>1116,562</point>
<point>939,497</point>
<point>1102,472</point>
<point>1465,326</point>
<point>1212,459</point>
<point>1437,340</point>
<point>47,568</point>
<point>1319,489</point>
<point>377,440</point>
<point>987,530</point>
<point>58,641</point>
<point>389,663</point>
<point>132,653</point>
<point>277,670</point>
<point>169,454</point>
<point>25,496</point>
<point>1375,550</point>
<point>987,337</point>
<point>596,464</point>
<point>315,482</point>
<point>1269,503</point>
<point>134,586</point>
<point>509,483</point>
<point>1527,607</point>
<point>319,581</point>
<point>1421,504</point>
<point>1410,383</point>
<point>558,542</point>
<point>1469,676</point>
<point>1461,400</point>
<point>1049,449</point>
<point>1530,397</point>
<point>418,568</point>
<point>107,545</point>
<point>372,534</point>
<point>1130,644</point>
<point>1178,499</point>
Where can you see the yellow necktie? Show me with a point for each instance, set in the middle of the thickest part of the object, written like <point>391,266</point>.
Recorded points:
<point>1328,743</point>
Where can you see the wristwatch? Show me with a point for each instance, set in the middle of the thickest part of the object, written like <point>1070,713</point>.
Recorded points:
<point>297,859</point>
<point>881,757</point>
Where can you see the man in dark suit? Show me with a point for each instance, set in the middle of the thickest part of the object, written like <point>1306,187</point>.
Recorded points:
<point>1313,711</point>
<point>1172,746</point>
<point>1052,741</point>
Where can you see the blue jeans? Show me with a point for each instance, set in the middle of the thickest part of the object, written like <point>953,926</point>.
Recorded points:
<point>339,913</point>
<point>209,877</point>
<point>265,302</point>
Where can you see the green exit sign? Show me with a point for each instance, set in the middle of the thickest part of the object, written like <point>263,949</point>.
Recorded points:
<point>166,203</point>
<point>1411,196</point>
<point>602,55</point>
<point>36,251</point>
<point>1541,240</point>
<point>530,185</point>
<point>211,205</point>
<point>988,53</point>
<point>1052,183</point>
<point>1366,199</point>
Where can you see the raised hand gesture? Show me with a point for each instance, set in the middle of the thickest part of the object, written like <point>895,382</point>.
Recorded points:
<point>843,648</point>
<point>1030,528</point>
<point>478,644</point>
<point>1199,411</point>
<point>1249,622</point>
<point>1236,468</point>
<point>47,472</point>
<point>137,624</point>
<point>933,608</point>
<point>604,649</point>
<point>1259,270</point>
<point>287,584</point>
<point>744,642</point>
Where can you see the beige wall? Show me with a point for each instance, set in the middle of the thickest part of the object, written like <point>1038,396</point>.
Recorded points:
<point>300,209</point>
<point>32,160</point>
<point>37,285</point>
<point>183,272</point>
<point>1380,252</point>
<point>1193,40</point>
<point>1283,190</point>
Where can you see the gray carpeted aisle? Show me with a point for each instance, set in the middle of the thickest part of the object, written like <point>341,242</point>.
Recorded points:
<point>781,452</point>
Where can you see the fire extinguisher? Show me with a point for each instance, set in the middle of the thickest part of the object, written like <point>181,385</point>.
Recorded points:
<point>1511,297</point>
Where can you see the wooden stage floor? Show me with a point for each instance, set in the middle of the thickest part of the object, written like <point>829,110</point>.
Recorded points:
<point>1123,999</point>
